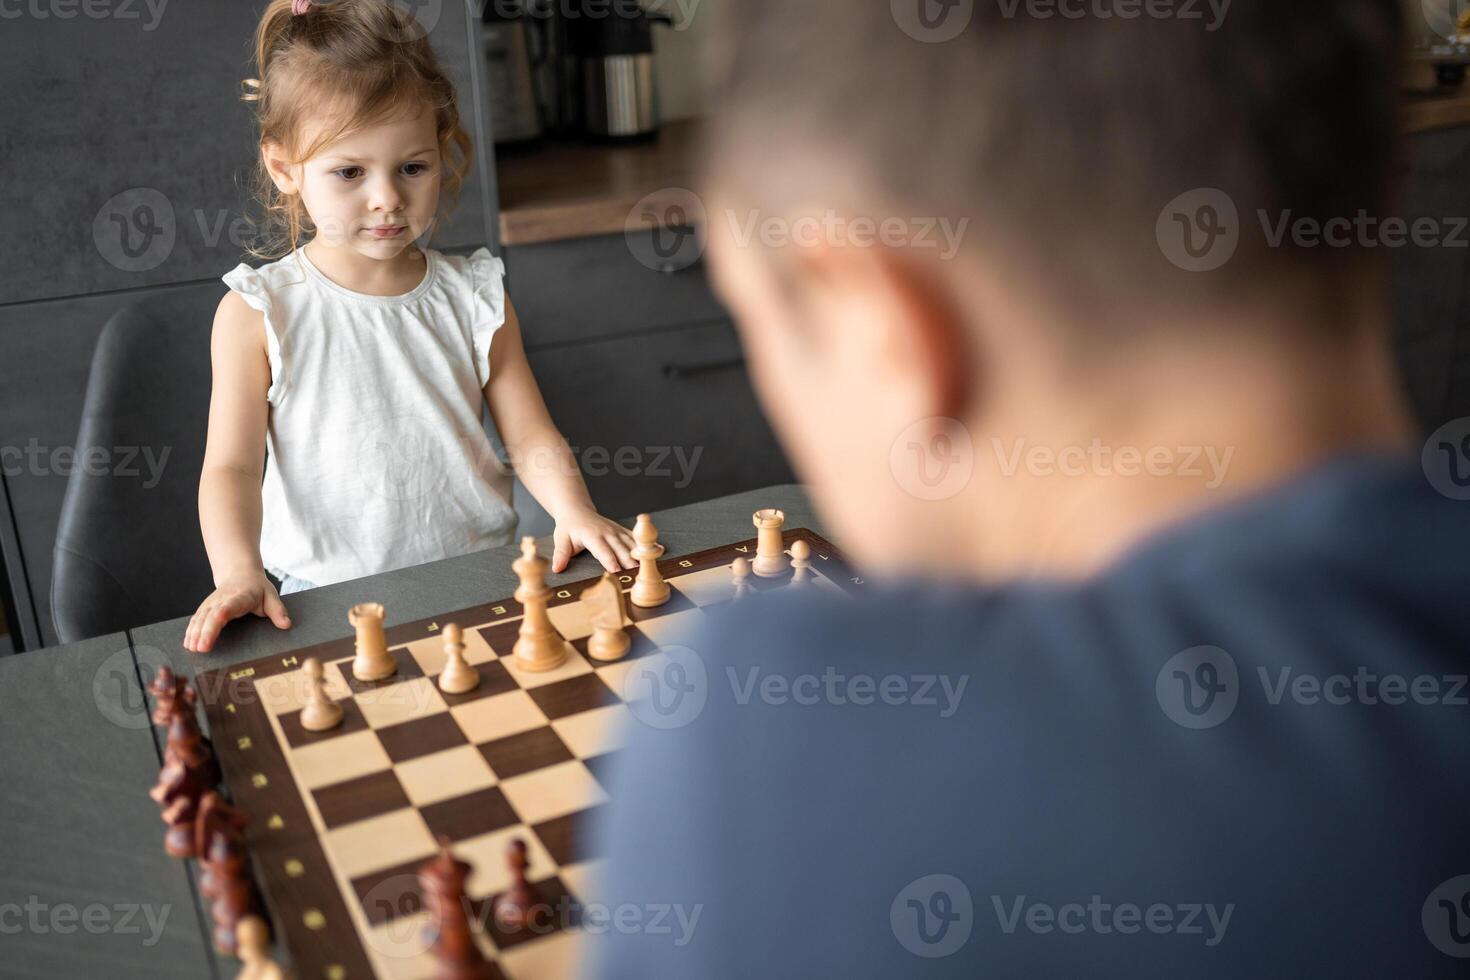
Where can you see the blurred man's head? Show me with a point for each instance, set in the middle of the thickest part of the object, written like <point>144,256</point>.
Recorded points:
<point>918,209</point>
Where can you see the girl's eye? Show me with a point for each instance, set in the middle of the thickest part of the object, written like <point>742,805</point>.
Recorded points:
<point>409,169</point>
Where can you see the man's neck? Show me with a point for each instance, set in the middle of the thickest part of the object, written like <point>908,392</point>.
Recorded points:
<point>1063,486</point>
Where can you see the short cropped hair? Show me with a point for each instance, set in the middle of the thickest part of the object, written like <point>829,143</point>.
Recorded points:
<point>1063,138</point>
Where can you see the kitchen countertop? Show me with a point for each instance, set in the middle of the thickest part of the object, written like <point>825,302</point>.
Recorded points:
<point>562,190</point>
<point>1426,112</point>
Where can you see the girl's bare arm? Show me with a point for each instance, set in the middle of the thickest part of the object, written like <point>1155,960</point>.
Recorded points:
<point>229,484</point>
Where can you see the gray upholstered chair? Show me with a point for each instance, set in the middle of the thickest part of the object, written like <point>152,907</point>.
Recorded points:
<point>128,549</point>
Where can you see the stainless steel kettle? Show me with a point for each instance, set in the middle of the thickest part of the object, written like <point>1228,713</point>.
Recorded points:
<point>619,79</point>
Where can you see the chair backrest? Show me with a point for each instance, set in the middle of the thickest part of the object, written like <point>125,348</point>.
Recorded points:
<point>128,549</point>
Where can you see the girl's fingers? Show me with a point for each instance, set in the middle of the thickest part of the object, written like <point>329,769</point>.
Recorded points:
<point>191,635</point>
<point>603,552</point>
<point>275,610</point>
<point>622,550</point>
<point>231,608</point>
<point>563,550</point>
<point>210,627</point>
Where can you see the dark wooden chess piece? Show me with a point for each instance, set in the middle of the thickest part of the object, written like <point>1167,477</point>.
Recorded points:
<point>451,938</point>
<point>233,896</point>
<point>167,689</point>
<point>175,699</point>
<point>214,816</point>
<point>513,906</point>
<point>181,784</point>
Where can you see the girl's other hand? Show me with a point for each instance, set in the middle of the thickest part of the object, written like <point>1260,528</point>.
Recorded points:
<point>609,542</point>
<point>236,595</point>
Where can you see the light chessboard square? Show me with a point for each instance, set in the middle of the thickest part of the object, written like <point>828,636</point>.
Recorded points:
<point>392,704</point>
<point>496,717</point>
<point>381,842</point>
<point>432,778</point>
<point>553,792</point>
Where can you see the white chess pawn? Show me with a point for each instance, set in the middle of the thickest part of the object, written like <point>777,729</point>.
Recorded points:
<point>458,676</point>
<point>740,575</point>
<point>252,944</point>
<point>649,589</point>
<point>801,562</point>
<point>321,712</point>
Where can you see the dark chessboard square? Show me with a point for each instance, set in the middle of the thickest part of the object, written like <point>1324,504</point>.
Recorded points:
<point>502,637</point>
<point>601,766</point>
<point>296,736</point>
<point>555,909</point>
<point>408,669</point>
<point>494,679</point>
<point>678,602</point>
<point>526,752</point>
<point>391,893</point>
<point>639,645</point>
<point>359,799</point>
<point>422,736</point>
<point>567,838</point>
<point>470,815</point>
<point>572,696</point>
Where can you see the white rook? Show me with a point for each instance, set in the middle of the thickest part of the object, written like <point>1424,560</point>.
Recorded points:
<point>770,555</point>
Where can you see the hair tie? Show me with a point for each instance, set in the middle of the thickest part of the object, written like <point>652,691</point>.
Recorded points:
<point>299,7</point>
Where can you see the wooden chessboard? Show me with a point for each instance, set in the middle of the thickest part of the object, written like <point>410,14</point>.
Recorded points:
<point>340,821</point>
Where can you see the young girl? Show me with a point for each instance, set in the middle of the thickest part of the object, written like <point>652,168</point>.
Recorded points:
<point>356,365</point>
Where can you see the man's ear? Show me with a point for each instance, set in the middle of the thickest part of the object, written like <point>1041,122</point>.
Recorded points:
<point>904,315</point>
<point>281,172</point>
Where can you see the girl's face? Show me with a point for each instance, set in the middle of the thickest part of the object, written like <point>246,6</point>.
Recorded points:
<point>374,191</point>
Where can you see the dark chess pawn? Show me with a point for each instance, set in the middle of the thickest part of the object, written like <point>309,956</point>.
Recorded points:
<point>513,906</point>
<point>181,784</point>
<point>233,898</point>
<point>451,938</point>
<point>168,691</point>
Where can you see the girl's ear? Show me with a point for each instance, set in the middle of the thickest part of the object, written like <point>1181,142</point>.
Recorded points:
<point>282,173</point>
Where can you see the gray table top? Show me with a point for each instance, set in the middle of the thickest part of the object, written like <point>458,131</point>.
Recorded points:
<point>80,755</point>
<point>85,878</point>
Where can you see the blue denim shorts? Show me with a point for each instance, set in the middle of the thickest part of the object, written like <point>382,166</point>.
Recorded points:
<point>290,584</point>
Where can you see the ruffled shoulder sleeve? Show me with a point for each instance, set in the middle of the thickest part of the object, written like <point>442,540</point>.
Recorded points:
<point>252,286</point>
<point>487,278</point>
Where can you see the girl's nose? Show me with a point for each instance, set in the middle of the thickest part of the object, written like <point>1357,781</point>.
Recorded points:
<point>383,195</point>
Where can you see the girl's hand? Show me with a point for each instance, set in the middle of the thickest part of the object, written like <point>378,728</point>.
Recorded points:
<point>586,530</point>
<point>248,592</point>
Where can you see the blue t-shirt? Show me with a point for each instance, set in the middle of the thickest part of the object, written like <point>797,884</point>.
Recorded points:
<point>1243,750</point>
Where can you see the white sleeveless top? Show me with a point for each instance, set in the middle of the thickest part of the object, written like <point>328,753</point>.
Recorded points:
<point>377,458</point>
